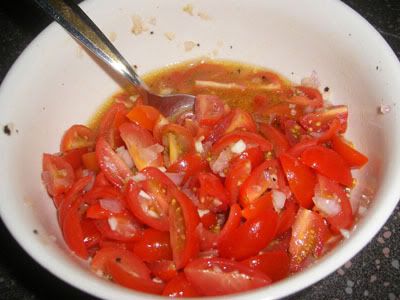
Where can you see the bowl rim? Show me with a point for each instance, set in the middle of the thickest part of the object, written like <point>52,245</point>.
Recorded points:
<point>329,263</point>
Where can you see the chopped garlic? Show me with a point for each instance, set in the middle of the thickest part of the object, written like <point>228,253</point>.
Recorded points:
<point>188,8</point>
<point>144,195</point>
<point>204,16</point>
<point>199,145</point>
<point>345,233</point>
<point>169,35</point>
<point>278,200</point>
<point>137,25</point>
<point>189,45</point>
<point>202,212</point>
<point>162,169</point>
<point>113,223</point>
<point>238,147</point>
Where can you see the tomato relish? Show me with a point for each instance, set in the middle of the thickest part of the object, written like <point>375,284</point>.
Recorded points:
<point>159,204</point>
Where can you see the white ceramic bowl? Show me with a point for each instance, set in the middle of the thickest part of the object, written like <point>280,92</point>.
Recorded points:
<point>55,83</point>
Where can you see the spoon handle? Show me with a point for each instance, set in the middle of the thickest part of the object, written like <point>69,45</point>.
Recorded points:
<point>70,16</point>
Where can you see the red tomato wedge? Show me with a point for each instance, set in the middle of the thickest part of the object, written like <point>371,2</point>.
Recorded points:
<point>190,164</point>
<point>110,122</point>
<point>122,228</point>
<point>208,109</point>
<point>114,168</point>
<point>179,287</point>
<point>276,137</point>
<point>268,175</point>
<point>309,233</point>
<point>306,96</point>
<point>76,137</point>
<point>183,221</point>
<point>91,236</point>
<point>74,157</point>
<point>154,245</point>
<point>231,223</point>
<point>219,276</point>
<point>274,264</point>
<point>90,162</point>
<point>238,172</point>
<point>163,269</point>
<point>264,203</point>
<point>328,163</point>
<point>333,203</point>
<point>57,175</point>
<point>287,217</point>
<point>254,235</point>
<point>177,141</point>
<point>212,194</point>
<point>301,179</point>
<point>319,121</point>
<point>141,145</point>
<point>354,158</point>
<point>144,115</point>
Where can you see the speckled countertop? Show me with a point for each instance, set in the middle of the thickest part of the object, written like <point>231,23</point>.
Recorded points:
<point>374,273</point>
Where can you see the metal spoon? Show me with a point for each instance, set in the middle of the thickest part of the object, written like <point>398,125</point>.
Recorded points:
<point>70,16</point>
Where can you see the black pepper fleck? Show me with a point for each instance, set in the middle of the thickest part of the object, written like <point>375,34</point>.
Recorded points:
<point>151,32</point>
<point>35,231</point>
<point>231,47</point>
<point>198,44</point>
<point>349,34</point>
<point>16,130</point>
<point>238,70</point>
<point>7,130</point>
<point>326,89</point>
<point>292,73</point>
<point>377,67</point>
<point>135,66</point>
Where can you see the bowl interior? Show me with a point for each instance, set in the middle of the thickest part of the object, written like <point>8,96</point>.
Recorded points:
<point>55,84</point>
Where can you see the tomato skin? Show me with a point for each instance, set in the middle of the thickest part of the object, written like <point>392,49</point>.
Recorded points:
<point>110,122</point>
<point>91,236</point>
<point>144,115</point>
<point>309,233</point>
<point>218,276</point>
<point>127,229</point>
<point>354,158</point>
<point>138,141</point>
<point>301,179</point>
<point>74,157</point>
<point>319,121</point>
<point>329,189</point>
<point>209,220</point>
<point>208,109</point>
<point>183,217</point>
<point>306,96</point>
<point>57,175</point>
<point>254,235</point>
<point>276,137</point>
<point>190,164</point>
<point>266,176</point>
<point>212,194</point>
<point>231,223</point>
<point>72,230</point>
<point>89,161</point>
<point>274,264</point>
<point>238,172</point>
<point>154,245</point>
<point>114,168</point>
<point>76,137</point>
<point>287,217</point>
<point>163,269</point>
<point>179,286</point>
<point>300,147</point>
<point>328,163</point>
<point>264,203</point>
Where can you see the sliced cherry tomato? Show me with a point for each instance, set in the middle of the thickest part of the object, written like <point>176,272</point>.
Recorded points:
<point>236,119</point>
<point>262,204</point>
<point>334,205</point>
<point>354,158</point>
<point>154,245</point>
<point>254,235</point>
<point>110,122</point>
<point>144,115</point>
<point>276,137</point>
<point>301,179</point>
<point>57,175</point>
<point>208,109</point>
<point>328,163</point>
<point>306,96</point>
<point>90,162</point>
<point>183,220</point>
<point>287,217</point>
<point>238,172</point>
<point>274,264</point>
<point>76,137</point>
<point>268,175</point>
<point>212,194</point>
<point>141,145</point>
<point>74,157</point>
<point>120,228</point>
<point>72,230</point>
<point>163,269</point>
<point>231,223</point>
<point>179,287</point>
<point>219,276</point>
<point>299,148</point>
<point>101,179</point>
<point>114,168</point>
<point>254,154</point>
<point>91,236</point>
<point>178,141</point>
<point>319,121</point>
<point>190,165</point>
<point>294,132</point>
<point>309,233</point>
<point>209,220</point>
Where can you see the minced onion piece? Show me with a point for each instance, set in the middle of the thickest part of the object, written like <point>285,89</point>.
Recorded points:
<point>176,178</point>
<point>238,147</point>
<point>112,205</point>
<point>124,155</point>
<point>330,207</point>
<point>198,145</point>
<point>278,200</point>
<point>144,195</point>
<point>150,153</point>
<point>113,223</point>
<point>345,233</point>
<point>202,212</point>
<point>222,162</point>
<point>139,177</point>
<point>162,169</point>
